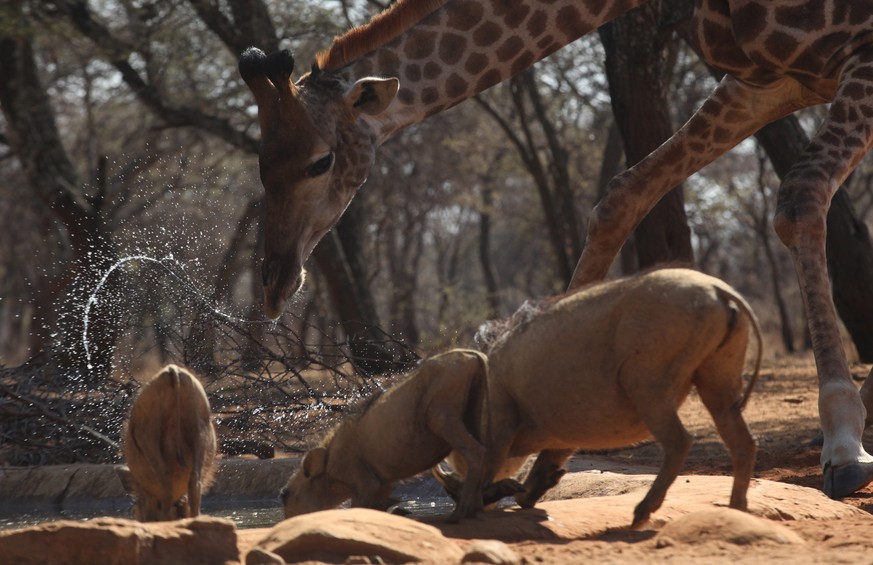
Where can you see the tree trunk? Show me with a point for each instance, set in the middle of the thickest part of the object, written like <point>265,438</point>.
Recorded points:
<point>849,250</point>
<point>765,231</point>
<point>850,263</point>
<point>485,250</point>
<point>373,352</point>
<point>538,171</point>
<point>34,139</point>
<point>635,69</point>
<point>404,242</point>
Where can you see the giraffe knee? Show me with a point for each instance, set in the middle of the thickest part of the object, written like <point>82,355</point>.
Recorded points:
<point>785,227</point>
<point>801,208</point>
<point>790,226</point>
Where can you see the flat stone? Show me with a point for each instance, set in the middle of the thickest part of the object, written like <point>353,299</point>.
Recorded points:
<point>337,535</point>
<point>110,541</point>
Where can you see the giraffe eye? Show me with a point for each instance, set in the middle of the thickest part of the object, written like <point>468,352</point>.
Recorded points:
<point>320,167</point>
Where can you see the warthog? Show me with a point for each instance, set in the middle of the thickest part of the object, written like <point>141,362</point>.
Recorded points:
<point>169,447</point>
<point>608,366</point>
<point>404,431</point>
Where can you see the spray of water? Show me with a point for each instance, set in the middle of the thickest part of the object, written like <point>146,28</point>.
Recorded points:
<point>165,263</point>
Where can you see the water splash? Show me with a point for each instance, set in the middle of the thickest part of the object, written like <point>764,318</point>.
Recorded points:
<point>164,263</point>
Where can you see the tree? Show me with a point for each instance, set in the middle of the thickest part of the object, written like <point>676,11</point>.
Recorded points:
<point>636,69</point>
<point>33,137</point>
<point>546,160</point>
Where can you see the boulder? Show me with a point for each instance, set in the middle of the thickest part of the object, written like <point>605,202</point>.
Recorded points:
<point>337,535</point>
<point>109,541</point>
<point>724,525</point>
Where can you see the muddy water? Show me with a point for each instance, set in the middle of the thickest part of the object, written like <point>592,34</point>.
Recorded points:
<point>258,516</point>
<point>421,496</point>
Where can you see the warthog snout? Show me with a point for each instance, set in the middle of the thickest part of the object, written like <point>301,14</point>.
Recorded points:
<point>405,431</point>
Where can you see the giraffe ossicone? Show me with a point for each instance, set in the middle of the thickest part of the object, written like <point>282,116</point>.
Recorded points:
<point>319,136</point>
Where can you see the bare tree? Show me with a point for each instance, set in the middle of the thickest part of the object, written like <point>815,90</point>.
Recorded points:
<point>546,160</point>
<point>34,138</point>
<point>636,69</point>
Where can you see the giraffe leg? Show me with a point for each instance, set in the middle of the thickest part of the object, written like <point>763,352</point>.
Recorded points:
<point>800,221</point>
<point>732,112</point>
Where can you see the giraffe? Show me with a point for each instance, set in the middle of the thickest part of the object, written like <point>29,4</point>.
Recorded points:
<point>319,137</point>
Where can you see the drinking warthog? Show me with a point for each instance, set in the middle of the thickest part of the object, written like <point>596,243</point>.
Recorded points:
<point>169,447</point>
<point>404,431</point>
<point>608,366</point>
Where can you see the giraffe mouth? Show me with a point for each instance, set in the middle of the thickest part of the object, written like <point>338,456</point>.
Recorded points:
<point>282,279</point>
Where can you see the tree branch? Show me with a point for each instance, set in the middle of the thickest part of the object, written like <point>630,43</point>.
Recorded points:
<point>117,53</point>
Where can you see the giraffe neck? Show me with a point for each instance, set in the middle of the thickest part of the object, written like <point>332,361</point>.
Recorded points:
<point>466,46</point>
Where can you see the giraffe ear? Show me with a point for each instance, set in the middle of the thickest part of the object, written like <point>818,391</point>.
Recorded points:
<point>372,95</point>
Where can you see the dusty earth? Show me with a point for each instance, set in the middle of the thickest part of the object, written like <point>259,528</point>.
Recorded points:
<point>573,527</point>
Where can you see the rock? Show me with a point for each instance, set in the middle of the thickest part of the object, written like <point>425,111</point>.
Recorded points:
<point>109,541</point>
<point>725,525</point>
<point>335,535</point>
<point>491,551</point>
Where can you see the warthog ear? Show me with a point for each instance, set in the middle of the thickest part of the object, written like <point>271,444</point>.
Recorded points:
<point>127,480</point>
<point>315,462</point>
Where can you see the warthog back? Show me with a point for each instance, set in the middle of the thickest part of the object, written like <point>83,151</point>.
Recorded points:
<point>169,447</point>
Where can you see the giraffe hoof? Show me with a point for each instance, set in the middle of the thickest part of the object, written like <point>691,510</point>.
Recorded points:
<point>843,480</point>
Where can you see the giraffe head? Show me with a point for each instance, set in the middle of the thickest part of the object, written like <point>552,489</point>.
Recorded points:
<point>318,142</point>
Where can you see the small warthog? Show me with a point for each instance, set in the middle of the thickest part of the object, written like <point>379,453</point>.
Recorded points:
<point>169,447</point>
<point>404,431</point>
<point>608,366</point>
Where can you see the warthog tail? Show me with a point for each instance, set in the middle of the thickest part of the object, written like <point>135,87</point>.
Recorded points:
<point>730,295</point>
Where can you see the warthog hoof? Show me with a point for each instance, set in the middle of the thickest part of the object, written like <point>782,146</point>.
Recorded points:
<point>534,492</point>
<point>843,480</point>
<point>494,492</point>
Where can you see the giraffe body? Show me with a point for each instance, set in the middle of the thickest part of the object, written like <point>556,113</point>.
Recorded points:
<point>320,135</point>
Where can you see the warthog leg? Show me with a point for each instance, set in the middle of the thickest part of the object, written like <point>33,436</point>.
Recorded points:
<point>453,431</point>
<point>741,445</point>
<point>375,495</point>
<point>491,493</point>
<point>657,409</point>
<point>720,391</point>
<point>194,490</point>
<point>545,473</point>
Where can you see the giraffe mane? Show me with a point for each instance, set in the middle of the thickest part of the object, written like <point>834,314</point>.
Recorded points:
<point>384,27</point>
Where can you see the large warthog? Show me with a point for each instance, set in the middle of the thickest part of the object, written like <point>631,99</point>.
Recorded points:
<point>169,447</point>
<point>404,431</point>
<point>608,367</point>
